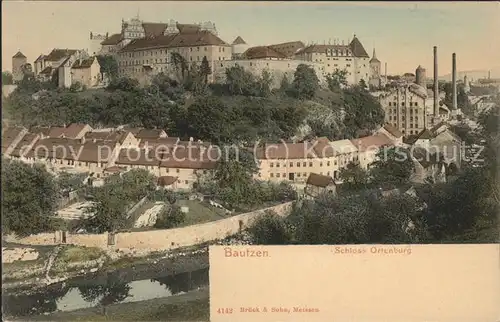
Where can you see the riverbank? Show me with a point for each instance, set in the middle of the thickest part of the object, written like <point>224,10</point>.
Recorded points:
<point>191,306</point>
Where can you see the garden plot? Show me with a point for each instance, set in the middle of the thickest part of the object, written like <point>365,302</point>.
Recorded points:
<point>148,218</point>
<point>75,211</point>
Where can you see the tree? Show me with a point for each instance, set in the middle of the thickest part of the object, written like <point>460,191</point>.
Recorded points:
<point>170,218</point>
<point>362,84</point>
<point>239,81</point>
<point>29,199</point>
<point>305,82</point>
<point>205,69</point>
<point>109,65</point>
<point>234,176</point>
<point>270,229</point>
<point>336,79</point>
<point>124,84</point>
<point>393,165</point>
<point>285,84</point>
<point>354,177</point>
<point>362,111</point>
<point>7,78</point>
<point>211,120</point>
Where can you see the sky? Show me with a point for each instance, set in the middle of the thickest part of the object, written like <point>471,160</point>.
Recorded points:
<point>403,33</point>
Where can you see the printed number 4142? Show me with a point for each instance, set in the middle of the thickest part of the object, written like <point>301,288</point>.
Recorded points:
<point>225,310</point>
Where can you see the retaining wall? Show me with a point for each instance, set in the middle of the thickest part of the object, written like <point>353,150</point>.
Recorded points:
<point>155,240</point>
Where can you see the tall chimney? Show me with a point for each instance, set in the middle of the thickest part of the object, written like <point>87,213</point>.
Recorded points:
<point>454,80</point>
<point>436,87</point>
<point>386,72</point>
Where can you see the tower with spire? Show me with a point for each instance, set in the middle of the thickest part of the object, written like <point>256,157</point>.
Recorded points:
<point>375,79</point>
<point>18,61</point>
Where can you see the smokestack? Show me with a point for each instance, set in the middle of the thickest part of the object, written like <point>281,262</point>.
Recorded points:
<point>386,72</point>
<point>436,87</point>
<point>454,80</point>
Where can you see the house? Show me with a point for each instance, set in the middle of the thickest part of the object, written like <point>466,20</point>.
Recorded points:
<point>167,182</point>
<point>87,72</point>
<point>72,131</point>
<point>392,133</point>
<point>317,184</point>
<point>25,145</point>
<point>61,153</point>
<point>369,146</point>
<point>124,138</point>
<point>428,167</point>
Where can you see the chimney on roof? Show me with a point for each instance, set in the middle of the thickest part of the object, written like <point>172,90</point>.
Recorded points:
<point>454,80</point>
<point>436,85</point>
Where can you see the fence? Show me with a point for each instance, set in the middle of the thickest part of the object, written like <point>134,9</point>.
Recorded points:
<point>156,240</point>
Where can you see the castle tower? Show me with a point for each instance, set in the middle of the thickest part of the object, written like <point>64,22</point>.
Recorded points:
<point>420,76</point>
<point>466,85</point>
<point>95,42</point>
<point>238,47</point>
<point>18,61</point>
<point>375,66</point>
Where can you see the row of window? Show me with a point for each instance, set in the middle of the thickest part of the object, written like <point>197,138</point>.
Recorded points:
<point>403,110</point>
<point>403,103</point>
<point>394,118</point>
<point>144,53</point>
<point>304,164</point>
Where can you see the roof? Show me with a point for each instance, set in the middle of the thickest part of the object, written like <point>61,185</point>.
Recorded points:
<point>40,58</point>
<point>392,130</point>
<point>58,54</point>
<point>25,144</point>
<point>47,70</point>
<point>114,169</point>
<point>159,142</point>
<point>73,130</point>
<point>374,57</point>
<point>319,180</point>
<point>199,38</point>
<point>149,134</point>
<point>420,68</point>
<point>437,127</point>
<point>372,142</point>
<point>166,180</point>
<point>425,158</point>
<point>262,52</point>
<point>112,40</point>
<point>9,135</point>
<point>83,63</point>
<point>357,48</point>
<point>112,136</point>
<point>40,130</point>
<point>19,55</point>
<point>174,157</point>
<point>288,48</point>
<point>425,134</point>
<point>70,149</point>
<point>154,29</point>
<point>239,41</point>
<point>289,151</point>
<point>343,146</point>
<point>321,48</point>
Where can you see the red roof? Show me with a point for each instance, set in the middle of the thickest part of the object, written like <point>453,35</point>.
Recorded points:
<point>371,142</point>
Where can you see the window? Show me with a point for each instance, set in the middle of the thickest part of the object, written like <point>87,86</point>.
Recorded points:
<point>328,163</point>
<point>298,164</point>
<point>305,164</point>
<point>321,164</point>
<point>277,164</point>
<point>390,104</point>
<point>205,48</point>
<point>310,164</point>
<point>298,174</point>
<point>198,48</point>
<point>402,103</point>
<point>291,164</point>
<point>271,164</point>
<point>272,175</point>
<point>177,170</point>
<point>305,174</point>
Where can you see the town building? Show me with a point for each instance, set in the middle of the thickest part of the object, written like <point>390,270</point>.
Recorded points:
<point>87,72</point>
<point>316,184</point>
<point>18,62</point>
<point>351,57</point>
<point>375,78</point>
<point>405,108</point>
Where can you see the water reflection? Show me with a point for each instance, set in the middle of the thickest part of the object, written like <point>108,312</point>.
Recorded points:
<point>68,296</point>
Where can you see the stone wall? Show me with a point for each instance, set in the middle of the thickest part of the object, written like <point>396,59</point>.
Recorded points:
<point>156,240</point>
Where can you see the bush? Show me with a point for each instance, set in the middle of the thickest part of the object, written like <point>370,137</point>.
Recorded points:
<point>170,218</point>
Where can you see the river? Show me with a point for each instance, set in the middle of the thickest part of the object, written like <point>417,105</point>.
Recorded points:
<point>102,290</point>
